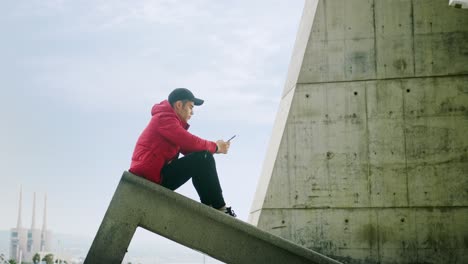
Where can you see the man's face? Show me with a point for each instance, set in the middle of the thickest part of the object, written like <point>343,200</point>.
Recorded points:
<point>184,111</point>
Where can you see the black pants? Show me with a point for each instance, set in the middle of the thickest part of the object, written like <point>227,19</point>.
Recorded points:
<point>201,167</point>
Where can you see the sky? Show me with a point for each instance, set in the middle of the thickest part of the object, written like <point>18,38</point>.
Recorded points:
<point>78,80</point>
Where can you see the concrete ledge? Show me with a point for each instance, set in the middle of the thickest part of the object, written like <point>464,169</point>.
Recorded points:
<point>138,202</point>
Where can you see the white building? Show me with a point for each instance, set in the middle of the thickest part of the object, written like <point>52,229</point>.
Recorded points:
<point>24,243</point>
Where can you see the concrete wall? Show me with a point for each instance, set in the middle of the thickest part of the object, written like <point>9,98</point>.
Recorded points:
<point>368,161</point>
<point>138,202</point>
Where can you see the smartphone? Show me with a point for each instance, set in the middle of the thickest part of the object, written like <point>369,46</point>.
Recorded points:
<point>229,140</point>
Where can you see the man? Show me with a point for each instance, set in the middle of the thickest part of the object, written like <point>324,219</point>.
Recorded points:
<point>156,154</point>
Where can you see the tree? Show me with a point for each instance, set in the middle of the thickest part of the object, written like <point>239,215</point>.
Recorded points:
<point>36,258</point>
<point>49,259</point>
<point>12,261</point>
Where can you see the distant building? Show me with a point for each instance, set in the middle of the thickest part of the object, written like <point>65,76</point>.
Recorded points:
<point>24,243</point>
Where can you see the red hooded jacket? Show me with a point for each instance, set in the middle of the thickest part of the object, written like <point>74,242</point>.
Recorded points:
<point>165,136</point>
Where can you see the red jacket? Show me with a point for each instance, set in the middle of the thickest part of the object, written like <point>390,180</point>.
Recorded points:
<point>165,136</point>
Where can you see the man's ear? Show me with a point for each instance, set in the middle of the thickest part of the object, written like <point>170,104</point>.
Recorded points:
<point>177,104</point>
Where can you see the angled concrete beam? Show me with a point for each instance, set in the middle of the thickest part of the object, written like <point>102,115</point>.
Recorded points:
<point>138,202</point>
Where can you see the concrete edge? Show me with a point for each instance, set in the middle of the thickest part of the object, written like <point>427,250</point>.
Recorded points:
<point>225,219</point>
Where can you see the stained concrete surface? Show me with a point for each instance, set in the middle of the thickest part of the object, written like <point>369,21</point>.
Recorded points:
<point>368,160</point>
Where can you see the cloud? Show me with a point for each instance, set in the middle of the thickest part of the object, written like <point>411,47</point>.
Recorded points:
<point>21,9</point>
<point>126,55</point>
<point>110,15</point>
<point>79,78</point>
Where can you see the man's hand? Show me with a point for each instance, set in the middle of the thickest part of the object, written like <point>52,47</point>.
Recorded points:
<point>223,146</point>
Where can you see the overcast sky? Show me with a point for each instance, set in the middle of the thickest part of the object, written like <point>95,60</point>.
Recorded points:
<point>78,80</point>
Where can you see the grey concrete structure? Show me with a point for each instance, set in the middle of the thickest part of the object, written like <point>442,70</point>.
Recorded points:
<point>141,203</point>
<point>368,160</point>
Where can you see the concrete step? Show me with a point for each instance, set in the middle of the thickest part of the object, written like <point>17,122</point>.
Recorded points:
<point>138,202</point>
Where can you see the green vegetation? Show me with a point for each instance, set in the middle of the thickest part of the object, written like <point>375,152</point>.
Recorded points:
<point>36,258</point>
<point>49,259</point>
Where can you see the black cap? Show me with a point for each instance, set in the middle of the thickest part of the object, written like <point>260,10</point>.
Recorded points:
<point>183,94</point>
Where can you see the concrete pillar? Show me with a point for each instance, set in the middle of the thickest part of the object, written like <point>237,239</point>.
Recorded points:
<point>368,160</point>
<point>141,203</point>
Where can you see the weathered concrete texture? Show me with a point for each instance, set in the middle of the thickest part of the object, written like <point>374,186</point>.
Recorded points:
<point>370,156</point>
<point>372,151</point>
<point>366,235</point>
<point>141,203</point>
<point>375,39</point>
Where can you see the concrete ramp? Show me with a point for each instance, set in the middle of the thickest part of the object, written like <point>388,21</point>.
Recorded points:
<point>141,203</point>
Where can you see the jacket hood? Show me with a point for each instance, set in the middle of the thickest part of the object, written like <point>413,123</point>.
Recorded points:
<point>162,107</point>
<point>165,108</point>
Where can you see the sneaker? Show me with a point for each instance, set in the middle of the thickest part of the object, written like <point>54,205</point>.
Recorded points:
<point>230,212</point>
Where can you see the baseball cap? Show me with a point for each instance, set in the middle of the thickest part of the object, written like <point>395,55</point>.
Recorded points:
<point>183,94</point>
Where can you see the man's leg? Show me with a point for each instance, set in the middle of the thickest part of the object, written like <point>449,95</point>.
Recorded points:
<point>201,167</point>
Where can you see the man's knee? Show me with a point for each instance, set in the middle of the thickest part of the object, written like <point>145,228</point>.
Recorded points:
<point>204,156</point>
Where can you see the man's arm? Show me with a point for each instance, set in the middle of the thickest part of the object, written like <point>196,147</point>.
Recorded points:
<point>170,128</point>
